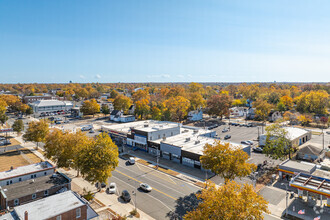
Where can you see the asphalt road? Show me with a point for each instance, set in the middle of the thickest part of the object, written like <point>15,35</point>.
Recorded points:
<point>167,197</point>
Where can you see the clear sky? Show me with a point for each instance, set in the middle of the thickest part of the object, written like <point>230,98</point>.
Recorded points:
<point>164,40</point>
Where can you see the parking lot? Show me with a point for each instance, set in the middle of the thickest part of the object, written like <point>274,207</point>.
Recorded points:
<point>238,133</point>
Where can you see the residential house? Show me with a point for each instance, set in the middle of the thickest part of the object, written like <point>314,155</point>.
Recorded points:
<point>195,115</point>
<point>311,153</point>
<point>131,110</point>
<point>238,111</point>
<point>26,191</point>
<point>274,116</point>
<point>118,116</point>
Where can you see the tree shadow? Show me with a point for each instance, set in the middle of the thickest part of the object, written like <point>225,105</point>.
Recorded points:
<point>184,205</point>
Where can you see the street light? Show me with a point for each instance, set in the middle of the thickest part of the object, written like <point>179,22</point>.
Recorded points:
<point>286,192</point>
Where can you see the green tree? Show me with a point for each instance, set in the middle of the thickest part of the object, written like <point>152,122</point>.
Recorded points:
<point>277,144</point>
<point>90,107</point>
<point>29,111</point>
<point>18,126</point>
<point>226,161</point>
<point>99,159</point>
<point>105,109</point>
<point>229,202</point>
<point>37,131</point>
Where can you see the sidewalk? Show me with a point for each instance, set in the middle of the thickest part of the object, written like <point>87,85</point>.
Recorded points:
<point>184,172</point>
<point>111,202</point>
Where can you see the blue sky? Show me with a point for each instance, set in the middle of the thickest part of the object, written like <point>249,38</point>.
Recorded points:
<point>164,40</point>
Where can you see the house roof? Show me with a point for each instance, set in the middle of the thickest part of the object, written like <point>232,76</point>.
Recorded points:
<point>19,171</point>
<point>50,206</point>
<point>310,149</point>
<point>29,187</point>
<point>114,112</point>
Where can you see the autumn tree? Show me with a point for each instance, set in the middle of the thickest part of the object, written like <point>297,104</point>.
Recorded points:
<point>230,201</point>
<point>98,159</point>
<point>142,107</point>
<point>262,109</point>
<point>122,103</point>
<point>324,121</point>
<point>195,88</point>
<point>277,143</point>
<point>140,94</point>
<point>64,148</point>
<point>226,161</point>
<point>156,113</point>
<point>178,107</point>
<point>287,101</point>
<point>312,102</point>
<point>18,126</point>
<point>105,109</point>
<point>37,131</point>
<point>196,101</point>
<point>219,105</point>
<point>90,107</point>
<point>114,94</point>
<point>304,119</point>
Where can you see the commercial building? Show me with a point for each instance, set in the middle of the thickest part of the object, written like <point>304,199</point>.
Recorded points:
<point>51,106</point>
<point>296,136</point>
<point>63,206</point>
<point>169,140</point>
<point>24,173</point>
<point>31,99</point>
<point>33,189</point>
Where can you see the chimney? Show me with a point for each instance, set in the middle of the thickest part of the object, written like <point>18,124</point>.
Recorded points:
<point>26,215</point>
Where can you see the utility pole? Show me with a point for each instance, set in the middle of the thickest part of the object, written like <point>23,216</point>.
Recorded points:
<point>157,159</point>
<point>323,138</point>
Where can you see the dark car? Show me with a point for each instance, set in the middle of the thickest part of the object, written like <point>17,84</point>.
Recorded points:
<point>102,185</point>
<point>257,149</point>
<point>125,196</point>
<point>227,137</point>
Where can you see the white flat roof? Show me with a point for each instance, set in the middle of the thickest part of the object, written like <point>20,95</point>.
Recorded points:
<point>50,206</point>
<point>19,171</point>
<point>294,133</point>
<point>140,125</point>
<point>45,103</point>
<point>196,143</point>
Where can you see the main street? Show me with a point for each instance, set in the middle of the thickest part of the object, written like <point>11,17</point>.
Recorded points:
<point>164,195</point>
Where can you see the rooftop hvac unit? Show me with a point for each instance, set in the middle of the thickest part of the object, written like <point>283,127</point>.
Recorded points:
<point>164,138</point>
<point>195,131</point>
<point>197,142</point>
<point>185,131</point>
<point>187,139</point>
<point>146,125</point>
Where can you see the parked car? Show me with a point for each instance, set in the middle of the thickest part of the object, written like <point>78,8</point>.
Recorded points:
<point>227,137</point>
<point>258,149</point>
<point>225,130</point>
<point>112,188</point>
<point>131,160</point>
<point>58,122</point>
<point>5,142</point>
<point>103,185</point>
<point>145,187</point>
<point>244,142</point>
<point>92,131</point>
<point>328,132</point>
<point>250,142</point>
<point>125,196</point>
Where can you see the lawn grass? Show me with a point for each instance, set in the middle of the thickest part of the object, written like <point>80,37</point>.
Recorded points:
<point>16,159</point>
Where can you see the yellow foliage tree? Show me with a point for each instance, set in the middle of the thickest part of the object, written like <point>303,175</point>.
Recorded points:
<point>226,161</point>
<point>229,202</point>
<point>178,107</point>
<point>90,107</point>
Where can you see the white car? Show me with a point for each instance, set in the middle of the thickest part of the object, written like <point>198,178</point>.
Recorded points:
<point>145,187</point>
<point>112,188</point>
<point>131,160</point>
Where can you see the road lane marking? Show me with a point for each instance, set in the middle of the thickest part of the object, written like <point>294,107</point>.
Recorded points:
<point>144,175</point>
<point>158,175</point>
<point>141,182</point>
<point>144,194</point>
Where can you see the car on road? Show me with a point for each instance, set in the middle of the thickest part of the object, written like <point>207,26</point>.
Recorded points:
<point>145,187</point>
<point>258,150</point>
<point>328,132</point>
<point>227,137</point>
<point>245,142</point>
<point>131,160</point>
<point>225,130</point>
<point>5,142</point>
<point>125,196</point>
<point>112,188</point>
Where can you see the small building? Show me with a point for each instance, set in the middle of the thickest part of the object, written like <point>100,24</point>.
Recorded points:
<point>118,116</point>
<point>238,111</point>
<point>250,114</point>
<point>196,115</point>
<point>62,206</point>
<point>51,106</point>
<point>310,153</point>
<point>290,168</point>
<point>33,189</point>
<point>297,136</point>
<point>24,173</point>
<point>274,116</point>
<point>75,112</point>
